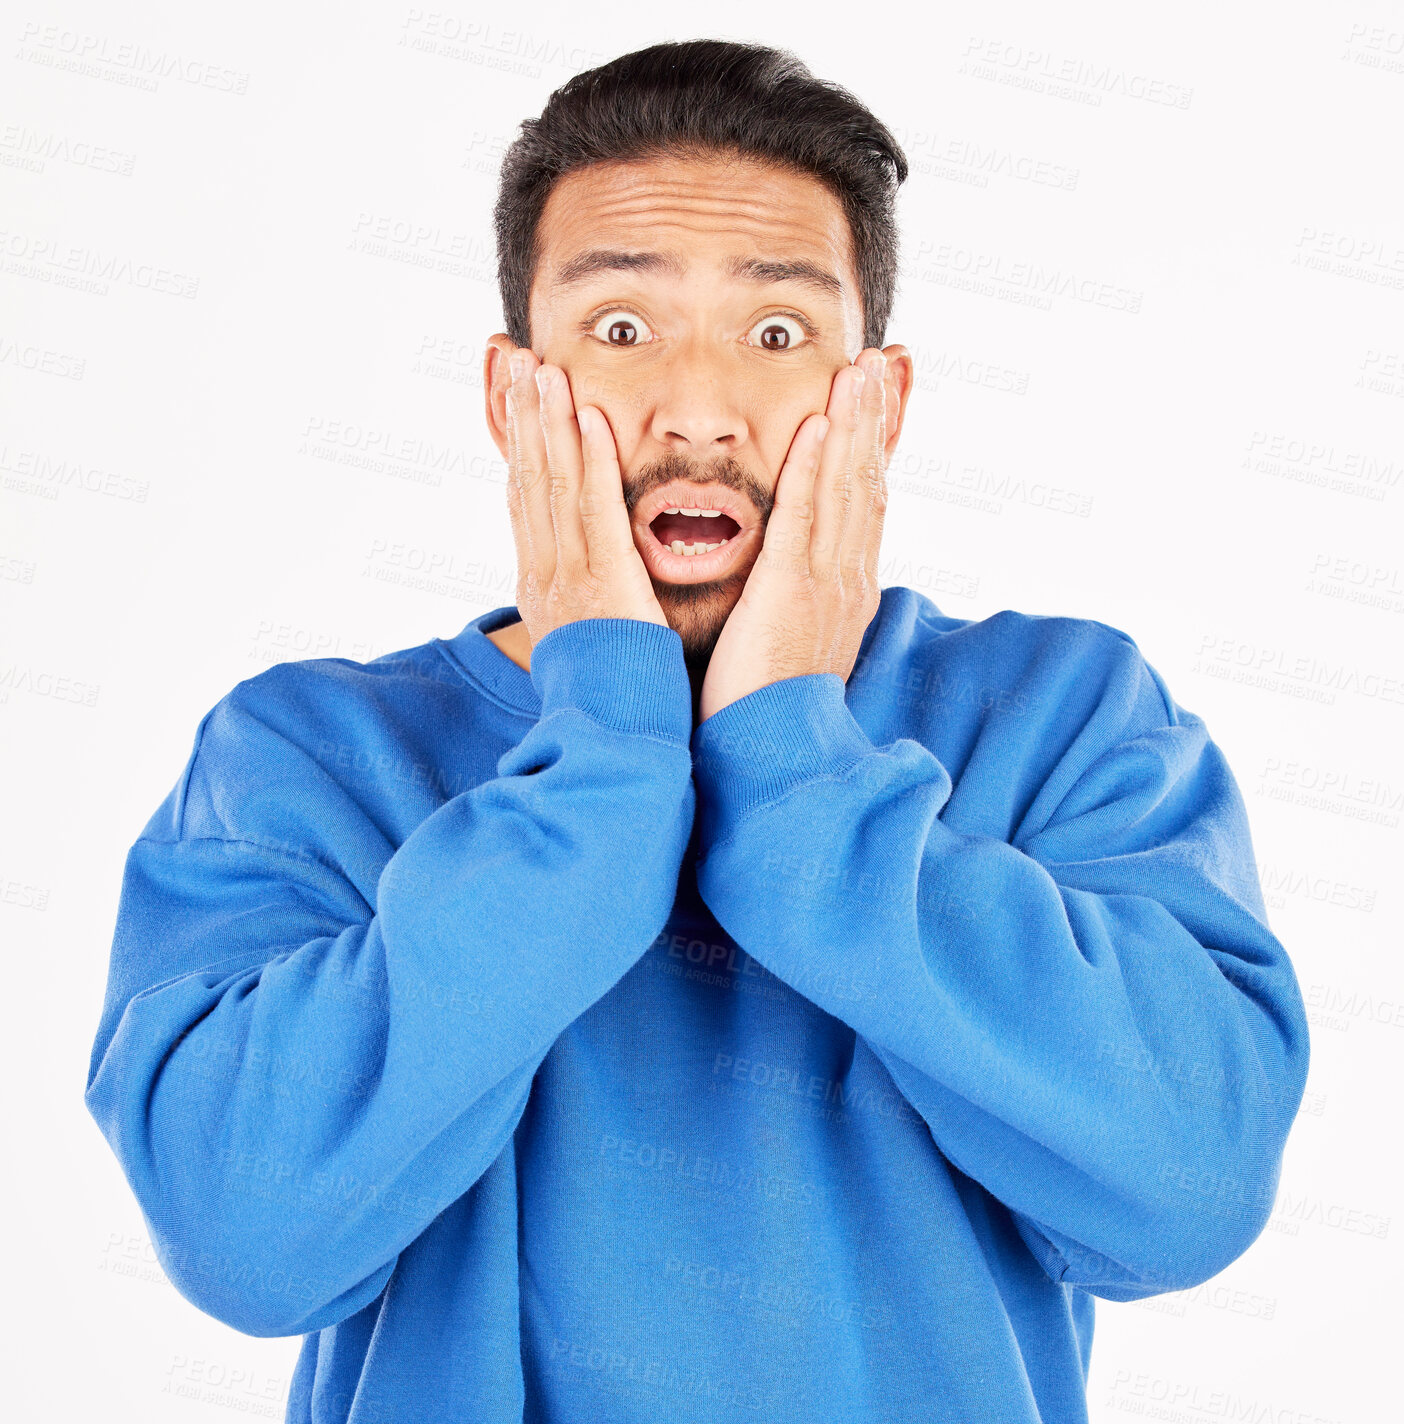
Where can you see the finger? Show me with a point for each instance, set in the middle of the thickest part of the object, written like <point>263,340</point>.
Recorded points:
<point>832,486</point>
<point>603,513</point>
<point>877,506</point>
<point>527,471</point>
<point>868,482</point>
<point>516,503</point>
<point>515,509</point>
<point>789,530</point>
<point>564,467</point>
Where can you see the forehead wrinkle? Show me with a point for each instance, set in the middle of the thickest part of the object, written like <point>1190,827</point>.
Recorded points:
<point>787,264</point>
<point>704,202</point>
<point>597,208</point>
<point>681,199</point>
<point>629,183</point>
<point>759,270</point>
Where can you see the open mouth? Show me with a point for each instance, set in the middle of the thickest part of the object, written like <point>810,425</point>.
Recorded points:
<point>693,533</point>
<point>695,544</point>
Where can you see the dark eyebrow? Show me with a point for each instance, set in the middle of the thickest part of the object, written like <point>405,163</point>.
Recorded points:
<point>610,259</point>
<point>755,269</point>
<point>750,269</point>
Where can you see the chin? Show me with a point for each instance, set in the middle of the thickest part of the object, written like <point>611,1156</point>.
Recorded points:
<point>698,612</point>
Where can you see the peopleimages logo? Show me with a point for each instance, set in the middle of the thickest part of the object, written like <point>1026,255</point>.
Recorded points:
<point>1037,69</point>
<point>86,269</point>
<point>123,61</point>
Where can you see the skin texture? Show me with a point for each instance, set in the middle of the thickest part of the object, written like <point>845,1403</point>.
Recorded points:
<point>698,396</point>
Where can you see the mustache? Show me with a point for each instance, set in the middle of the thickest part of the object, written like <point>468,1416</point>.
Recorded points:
<point>672,465</point>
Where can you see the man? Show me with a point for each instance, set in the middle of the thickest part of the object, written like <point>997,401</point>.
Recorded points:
<point>712,988</point>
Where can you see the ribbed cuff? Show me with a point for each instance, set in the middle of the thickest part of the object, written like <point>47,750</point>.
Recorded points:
<point>624,672</point>
<point>760,746</point>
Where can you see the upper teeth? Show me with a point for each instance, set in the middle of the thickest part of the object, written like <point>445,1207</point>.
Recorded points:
<point>705,513</point>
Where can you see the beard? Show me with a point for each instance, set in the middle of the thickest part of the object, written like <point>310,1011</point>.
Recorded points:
<point>698,611</point>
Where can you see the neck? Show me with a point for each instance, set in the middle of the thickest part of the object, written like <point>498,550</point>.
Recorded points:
<point>696,672</point>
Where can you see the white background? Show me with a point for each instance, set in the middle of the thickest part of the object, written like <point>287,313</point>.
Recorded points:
<point>1198,438</point>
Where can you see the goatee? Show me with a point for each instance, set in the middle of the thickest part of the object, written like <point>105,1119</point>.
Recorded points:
<point>698,611</point>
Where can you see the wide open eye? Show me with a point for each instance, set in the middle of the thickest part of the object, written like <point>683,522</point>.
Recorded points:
<point>621,328</point>
<point>778,332</point>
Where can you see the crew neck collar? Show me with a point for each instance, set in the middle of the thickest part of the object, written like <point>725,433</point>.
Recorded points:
<point>486,665</point>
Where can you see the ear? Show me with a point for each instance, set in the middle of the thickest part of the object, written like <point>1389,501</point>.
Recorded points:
<point>497,381</point>
<point>900,376</point>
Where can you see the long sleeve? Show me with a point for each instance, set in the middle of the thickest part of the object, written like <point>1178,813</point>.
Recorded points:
<point>1090,1012</point>
<point>314,1041</point>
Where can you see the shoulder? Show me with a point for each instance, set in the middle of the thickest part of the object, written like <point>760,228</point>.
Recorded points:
<point>1076,657</point>
<point>1040,665</point>
<point>1018,706</point>
<point>282,752</point>
<point>319,697</point>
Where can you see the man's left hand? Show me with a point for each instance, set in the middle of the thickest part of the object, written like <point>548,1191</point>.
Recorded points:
<point>813,588</point>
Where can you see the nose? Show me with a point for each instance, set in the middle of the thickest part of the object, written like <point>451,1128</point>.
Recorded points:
<point>696,409</point>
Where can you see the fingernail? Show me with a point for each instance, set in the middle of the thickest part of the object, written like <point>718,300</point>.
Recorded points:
<point>544,377</point>
<point>517,364</point>
<point>877,366</point>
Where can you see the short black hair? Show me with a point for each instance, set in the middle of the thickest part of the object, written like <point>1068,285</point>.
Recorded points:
<point>691,98</point>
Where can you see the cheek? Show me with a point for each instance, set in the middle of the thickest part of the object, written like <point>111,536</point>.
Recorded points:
<point>601,385</point>
<point>777,414</point>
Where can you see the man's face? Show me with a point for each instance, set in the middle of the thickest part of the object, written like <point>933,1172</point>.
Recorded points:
<point>651,295</point>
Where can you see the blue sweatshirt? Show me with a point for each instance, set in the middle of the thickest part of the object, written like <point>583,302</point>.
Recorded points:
<point>539,1056</point>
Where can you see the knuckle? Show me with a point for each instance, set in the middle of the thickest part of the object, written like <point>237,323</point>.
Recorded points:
<point>527,474</point>
<point>594,504</point>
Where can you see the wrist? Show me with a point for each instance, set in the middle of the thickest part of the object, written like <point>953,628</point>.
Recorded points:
<point>762,745</point>
<point>626,673</point>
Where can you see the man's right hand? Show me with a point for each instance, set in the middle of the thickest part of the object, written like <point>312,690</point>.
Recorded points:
<point>575,549</point>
